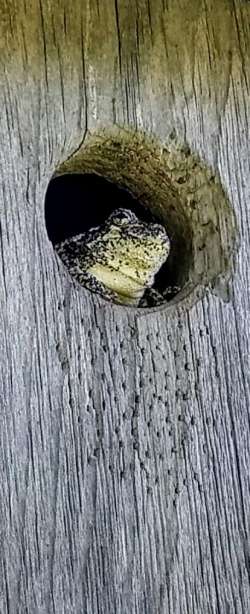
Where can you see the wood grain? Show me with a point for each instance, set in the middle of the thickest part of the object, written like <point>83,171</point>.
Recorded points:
<point>124,454</point>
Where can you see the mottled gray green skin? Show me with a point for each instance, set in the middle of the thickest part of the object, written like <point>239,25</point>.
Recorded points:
<point>119,259</point>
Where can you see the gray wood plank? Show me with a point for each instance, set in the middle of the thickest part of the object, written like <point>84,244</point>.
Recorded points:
<point>124,455</point>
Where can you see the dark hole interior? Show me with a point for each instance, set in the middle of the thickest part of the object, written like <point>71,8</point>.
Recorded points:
<point>76,202</point>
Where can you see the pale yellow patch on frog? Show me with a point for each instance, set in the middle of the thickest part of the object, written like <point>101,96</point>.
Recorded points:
<point>133,256</point>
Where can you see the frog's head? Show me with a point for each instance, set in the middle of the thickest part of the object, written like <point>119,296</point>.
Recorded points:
<point>132,252</point>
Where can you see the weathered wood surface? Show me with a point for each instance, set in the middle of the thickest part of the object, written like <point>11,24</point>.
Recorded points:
<point>124,455</point>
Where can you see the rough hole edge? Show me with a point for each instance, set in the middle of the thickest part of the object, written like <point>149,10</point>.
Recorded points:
<point>174,183</point>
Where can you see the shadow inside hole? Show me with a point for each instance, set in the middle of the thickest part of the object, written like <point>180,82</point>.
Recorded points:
<point>75,203</point>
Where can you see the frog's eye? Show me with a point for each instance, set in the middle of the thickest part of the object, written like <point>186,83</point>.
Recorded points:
<point>122,217</point>
<point>159,231</point>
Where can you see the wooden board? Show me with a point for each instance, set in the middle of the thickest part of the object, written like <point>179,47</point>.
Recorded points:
<point>124,455</point>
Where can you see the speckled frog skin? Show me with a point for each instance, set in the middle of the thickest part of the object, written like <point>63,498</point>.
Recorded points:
<point>119,259</point>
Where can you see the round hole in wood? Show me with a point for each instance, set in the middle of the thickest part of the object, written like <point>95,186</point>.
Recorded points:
<point>166,184</point>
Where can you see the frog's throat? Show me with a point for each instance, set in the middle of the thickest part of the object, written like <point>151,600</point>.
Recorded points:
<point>118,282</point>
